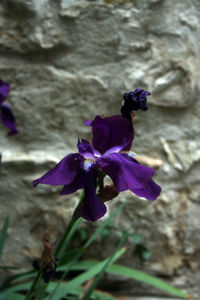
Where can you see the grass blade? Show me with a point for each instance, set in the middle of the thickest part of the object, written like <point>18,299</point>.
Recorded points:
<point>68,238</point>
<point>145,278</point>
<point>11,296</point>
<point>71,285</point>
<point>109,262</point>
<point>134,274</point>
<point>104,224</point>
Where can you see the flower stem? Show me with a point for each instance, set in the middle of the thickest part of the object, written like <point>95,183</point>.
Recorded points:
<point>58,250</point>
<point>74,218</point>
<point>35,282</point>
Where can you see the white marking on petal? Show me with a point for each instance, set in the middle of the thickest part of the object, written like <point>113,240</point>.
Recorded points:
<point>88,164</point>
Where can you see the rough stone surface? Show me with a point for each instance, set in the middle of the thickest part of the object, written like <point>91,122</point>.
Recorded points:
<point>68,61</point>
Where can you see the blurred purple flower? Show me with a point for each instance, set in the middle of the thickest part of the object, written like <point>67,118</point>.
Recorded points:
<point>80,170</point>
<point>6,115</point>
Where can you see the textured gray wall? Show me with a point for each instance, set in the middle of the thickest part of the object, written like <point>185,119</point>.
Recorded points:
<point>68,61</point>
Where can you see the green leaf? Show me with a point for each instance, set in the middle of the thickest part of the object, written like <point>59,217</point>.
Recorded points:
<point>83,234</point>
<point>9,268</point>
<point>109,262</point>
<point>145,278</point>
<point>92,238</point>
<point>63,289</point>
<point>137,238</point>
<point>11,296</point>
<point>134,274</point>
<point>3,235</point>
<point>18,287</point>
<point>97,294</point>
<point>105,233</point>
<point>69,237</point>
<point>146,254</point>
<point>142,252</point>
<point>104,224</point>
<point>69,256</point>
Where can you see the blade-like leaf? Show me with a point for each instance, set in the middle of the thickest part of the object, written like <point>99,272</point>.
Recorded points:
<point>91,239</point>
<point>68,237</point>
<point>97,294</point>
<point>11,296</point>
<point>71,285</point>
<point>109,262</point>
<point>134,274</point>
<point>3,235</point>
<point>104,224</point>
<point>18,287</point>
<point>8,268</point>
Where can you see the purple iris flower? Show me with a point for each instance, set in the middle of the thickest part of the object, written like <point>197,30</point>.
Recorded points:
<point>81,170</point>
<point>111,131</point>
<point>6,115</point>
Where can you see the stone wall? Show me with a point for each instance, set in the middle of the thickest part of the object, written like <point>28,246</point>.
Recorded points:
<point>68,61</point>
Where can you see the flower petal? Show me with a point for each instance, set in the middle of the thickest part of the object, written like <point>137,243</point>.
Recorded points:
<point>93,208</point>
<point>4,90</point>
<point>7,118</point>
<point>126,174</point>
<point>63,173</point>
<point>151,192</point>
<point>115,149</point>
<point>133,101</point>
<point>76,184</point>
<point>88,122</point>
<point>111,131</point>
<point>85,149</point>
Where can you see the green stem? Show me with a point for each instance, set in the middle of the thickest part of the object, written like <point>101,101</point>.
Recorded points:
<point>58,250</point>
<point>35,282</point>
<point>74,218</point>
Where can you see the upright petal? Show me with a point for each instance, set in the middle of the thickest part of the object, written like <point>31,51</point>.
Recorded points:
<point>93,208</point>
<point>4,90</point>
<point>7,118</point>
<point>126,174</point>
<point>111,131</point>
<point>85,149</point>
<point>63,173</point>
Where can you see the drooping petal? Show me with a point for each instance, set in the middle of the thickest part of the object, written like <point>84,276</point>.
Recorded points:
<point>126,174</point>
<point>111,131</point>
<point>4,90</point>
<point>63,173</point>
<point>151,192</point>
<point>93,208</point>
<point>7,118</point>
<point>76,184</point>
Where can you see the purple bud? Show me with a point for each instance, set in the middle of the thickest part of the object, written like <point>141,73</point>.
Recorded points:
<point>134,101</point>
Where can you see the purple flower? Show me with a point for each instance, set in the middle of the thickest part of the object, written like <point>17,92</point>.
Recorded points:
<point>111,131</point>
<point>6,115</point>
<point>81,170</point>
<point>134,101</point>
